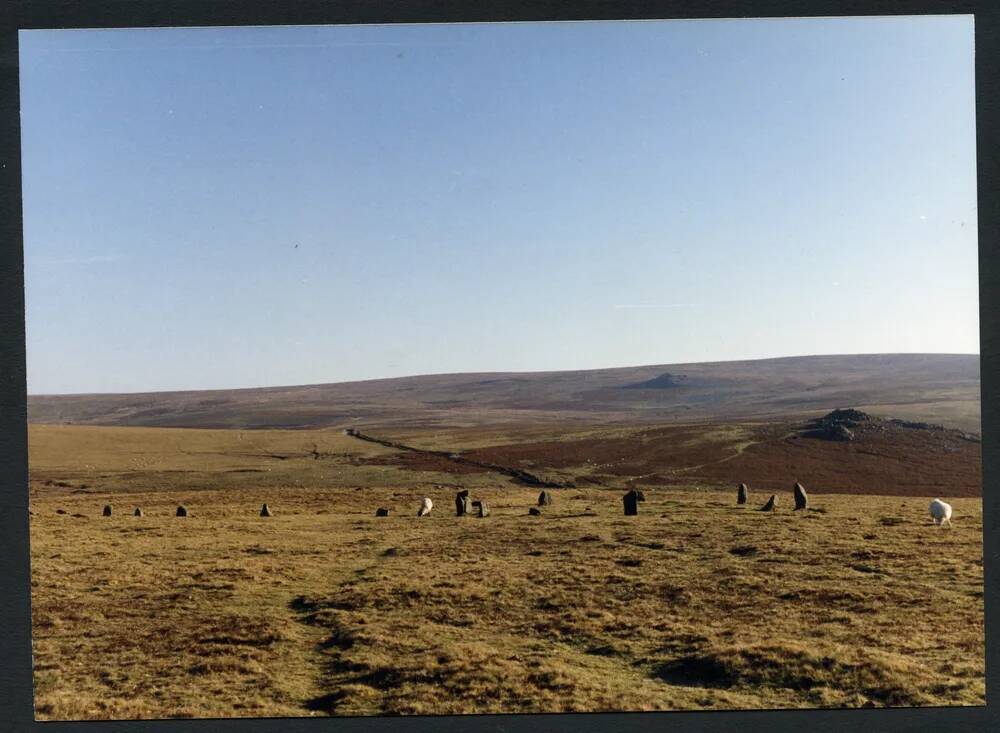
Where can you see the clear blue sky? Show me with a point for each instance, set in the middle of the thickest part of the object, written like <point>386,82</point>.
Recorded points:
<point>214,208</point>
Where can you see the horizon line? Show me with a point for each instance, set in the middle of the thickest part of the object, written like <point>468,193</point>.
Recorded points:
<point>523,371</point>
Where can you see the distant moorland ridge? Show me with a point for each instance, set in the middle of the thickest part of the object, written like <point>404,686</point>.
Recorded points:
<point>938,388</point>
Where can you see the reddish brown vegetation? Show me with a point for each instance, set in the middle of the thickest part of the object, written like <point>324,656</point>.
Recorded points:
<point>883,459</point>
<point>904,463</point>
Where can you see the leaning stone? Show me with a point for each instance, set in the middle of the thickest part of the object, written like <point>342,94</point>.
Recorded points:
<point>769,506</point>
<point>801,498</point>
<point>107,510</point>
<point>462,503</point>
<point>265,511</point>
<point>182,511</point>
<point>535,511</point>
<point>381,512</point>
<point>742,494</point>
<point>137,512</point>
<point>631,501</point>
<point>425,507</point>
<point>544,499</point>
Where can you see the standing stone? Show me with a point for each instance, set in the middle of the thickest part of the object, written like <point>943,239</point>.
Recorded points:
<point>631,501</point>
<point>425,507</point>
<point>462,503</point>
<point>801,498</point>
<point>544,499</point>
<point>742,494</point>
<point>137,512</point>
<point>381,512</point>
<point>535,511</point>
<point>265,511</point>
<point>769,506</point>
<point>182,511</point>
<point>484,510</point>
<point>107,510</point>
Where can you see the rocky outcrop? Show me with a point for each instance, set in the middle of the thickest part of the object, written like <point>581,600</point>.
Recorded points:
<point>837,425</point>
<point>664,381</point>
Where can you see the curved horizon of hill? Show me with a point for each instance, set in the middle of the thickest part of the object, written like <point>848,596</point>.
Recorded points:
<point>938,388</point>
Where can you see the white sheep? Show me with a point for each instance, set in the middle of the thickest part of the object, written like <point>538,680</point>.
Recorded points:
<point>941,512</point>
<point>425,507</point>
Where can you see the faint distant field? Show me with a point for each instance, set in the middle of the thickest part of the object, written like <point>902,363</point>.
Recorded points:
<point>325,609</point>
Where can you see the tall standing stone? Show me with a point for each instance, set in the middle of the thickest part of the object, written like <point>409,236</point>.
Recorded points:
<point>484,510</point>
<point>462,503</point>
<point>107,510</point>
<point>801,498</point>
<point>265,511</point>
<point>769,506</point>
<point>544,499</point>
<point>742,494</point>
<point>631,501</point>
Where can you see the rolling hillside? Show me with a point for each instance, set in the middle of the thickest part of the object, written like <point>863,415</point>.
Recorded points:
<point>940,388</point>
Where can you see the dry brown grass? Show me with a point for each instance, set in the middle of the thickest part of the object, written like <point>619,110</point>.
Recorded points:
<point>324,608</point>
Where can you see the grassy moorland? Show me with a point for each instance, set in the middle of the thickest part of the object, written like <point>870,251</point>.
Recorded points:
<point>325,609</point>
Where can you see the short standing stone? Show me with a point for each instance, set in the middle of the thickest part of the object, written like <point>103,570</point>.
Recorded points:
<point>425,507</point>
<point>381,512</point>
<point>535,511</point>
<point>107,510</point>
<point>544,499</point>
<point>137,512</point>
<point>631,501</point>
<point>742,494</point>
<point>801,498</point>
<point>769,506</point>
<point>265,511</point>
<point>484,509</point>
<point>182,511</point>
<point>462,503</point>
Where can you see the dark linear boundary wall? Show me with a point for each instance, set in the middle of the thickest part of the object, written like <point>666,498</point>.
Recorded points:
<point>521,477</point>
<point>15,673</point>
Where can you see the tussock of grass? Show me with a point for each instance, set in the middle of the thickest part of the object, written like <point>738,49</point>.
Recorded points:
<point>885,679</point>
<point>891,521</point>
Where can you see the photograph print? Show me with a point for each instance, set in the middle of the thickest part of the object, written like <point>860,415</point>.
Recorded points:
<point>478,368</point>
